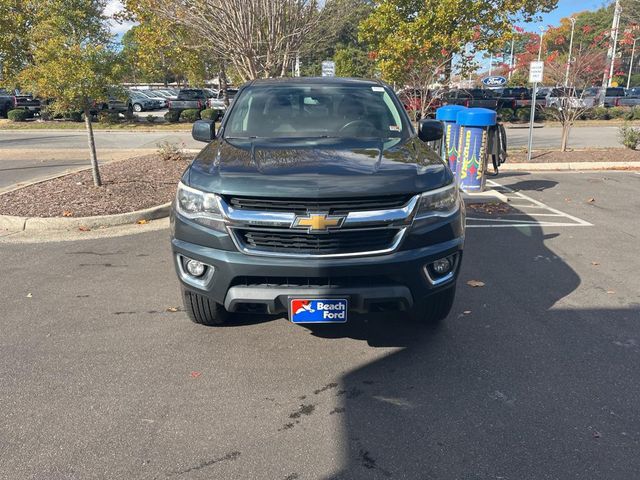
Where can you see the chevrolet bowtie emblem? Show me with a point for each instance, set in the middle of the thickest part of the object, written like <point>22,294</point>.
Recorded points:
<point>318,222</point>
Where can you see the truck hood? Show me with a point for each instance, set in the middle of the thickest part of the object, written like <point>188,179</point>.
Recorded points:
<point>319,169</point>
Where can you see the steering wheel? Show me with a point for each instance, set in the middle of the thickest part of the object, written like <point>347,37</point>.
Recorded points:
<point>357,123</point>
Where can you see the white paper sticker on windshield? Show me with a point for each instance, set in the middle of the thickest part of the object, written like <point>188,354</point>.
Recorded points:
<point>377,89</point>
<point>394,128</point>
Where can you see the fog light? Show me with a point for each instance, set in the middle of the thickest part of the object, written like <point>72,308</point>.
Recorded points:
<point>441,266</point>
<point>195,268</point>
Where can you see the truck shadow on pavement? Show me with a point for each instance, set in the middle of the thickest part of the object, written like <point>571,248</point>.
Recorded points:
<point>540,402</point>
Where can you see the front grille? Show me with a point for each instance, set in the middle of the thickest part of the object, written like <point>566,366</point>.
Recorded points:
<point>339,242</point>
<point>332,206</point>
<point>314,282</point>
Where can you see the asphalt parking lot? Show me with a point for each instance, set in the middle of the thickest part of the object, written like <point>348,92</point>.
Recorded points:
<point>532,376</point>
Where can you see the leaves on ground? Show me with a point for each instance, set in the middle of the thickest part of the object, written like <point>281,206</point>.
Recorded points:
<point>172,309</point>
<point>595,263</point>
<point>29,295</point>
<point>490,208</point>
<point>195,374</point>
<point>610,292</point>
<point>82,228</point>
<point>475,283</point>
<point>67,213</point>
<point>591,200</point>
<point>142,221</point>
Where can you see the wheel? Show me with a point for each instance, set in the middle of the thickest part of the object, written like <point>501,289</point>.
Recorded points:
<point>202,310</point>
<point>137,107</point>
<point>435,308</point>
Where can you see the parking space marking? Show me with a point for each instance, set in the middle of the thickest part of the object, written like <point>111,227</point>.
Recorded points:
<point>526,202</point>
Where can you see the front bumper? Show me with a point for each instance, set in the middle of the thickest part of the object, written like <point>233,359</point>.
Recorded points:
<point>245,282</point>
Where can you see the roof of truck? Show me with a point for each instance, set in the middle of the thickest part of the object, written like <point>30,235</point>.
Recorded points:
<point>316,81</point>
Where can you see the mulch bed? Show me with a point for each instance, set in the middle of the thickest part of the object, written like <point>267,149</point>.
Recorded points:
<point>128,185</point>
<point>553,156</point>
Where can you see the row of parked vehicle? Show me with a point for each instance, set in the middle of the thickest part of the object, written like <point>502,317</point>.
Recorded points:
<point>518,97</point>
<point>135,100</point>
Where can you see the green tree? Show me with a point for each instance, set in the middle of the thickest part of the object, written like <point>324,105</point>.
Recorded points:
<point>335,30</point>
<point>72,63</point>
<point>353,62</point>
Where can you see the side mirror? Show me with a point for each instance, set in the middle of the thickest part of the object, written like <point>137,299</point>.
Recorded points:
<point>204,130</point>
<point>430,130</point>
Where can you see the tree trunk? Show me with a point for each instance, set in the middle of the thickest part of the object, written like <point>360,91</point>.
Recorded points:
<point>565,137</point>
<point>95,172</point>
<point>224,84</point>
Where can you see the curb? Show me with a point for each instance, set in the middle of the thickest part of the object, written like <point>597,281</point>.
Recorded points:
<point>526,167</point>
<point>38,224</point>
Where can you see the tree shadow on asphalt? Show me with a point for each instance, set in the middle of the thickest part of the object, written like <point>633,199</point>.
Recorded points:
<point>510,386</point>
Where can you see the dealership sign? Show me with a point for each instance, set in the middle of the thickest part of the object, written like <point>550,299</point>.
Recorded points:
<point>494,81</point>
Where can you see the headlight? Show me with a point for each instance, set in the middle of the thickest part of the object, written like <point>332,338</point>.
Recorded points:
<point>201,207</point>
<point>441,202</point>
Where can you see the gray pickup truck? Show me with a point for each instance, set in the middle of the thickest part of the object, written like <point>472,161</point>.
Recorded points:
<point>189,98</point>
<point>317,199</point>
<point>631,99</point>
<point>18,100</point>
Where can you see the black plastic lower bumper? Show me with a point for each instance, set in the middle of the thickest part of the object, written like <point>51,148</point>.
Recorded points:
<point>239,281</point>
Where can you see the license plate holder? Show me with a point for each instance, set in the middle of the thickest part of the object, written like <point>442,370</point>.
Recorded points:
<point>318,310</point>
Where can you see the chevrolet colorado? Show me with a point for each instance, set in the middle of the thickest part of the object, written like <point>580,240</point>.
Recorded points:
<point>317,198</point>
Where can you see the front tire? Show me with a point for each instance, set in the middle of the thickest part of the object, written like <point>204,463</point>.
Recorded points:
<point>137,107</point>
<point>434,309</point>
<point>202,310</point>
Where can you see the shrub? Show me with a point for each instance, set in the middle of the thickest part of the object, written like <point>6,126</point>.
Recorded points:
<point>617,112</point>
<point>629,136</point>
<point>210,114</point>
<point>151,118</point>
<point>600,113</point>
<point>636,113</point>
<point>17,115</point>
<point>523,114</point>
<point>172,116</point>
<point>190,115</point>
<point>505,114</point>
<point>73,116</point>
<point>108,117</point>
<point>171,151</point>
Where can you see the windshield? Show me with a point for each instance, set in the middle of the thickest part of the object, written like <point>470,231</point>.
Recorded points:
<point>315,111</point>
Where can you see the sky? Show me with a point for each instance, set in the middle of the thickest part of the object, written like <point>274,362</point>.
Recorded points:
<point>564,9</point>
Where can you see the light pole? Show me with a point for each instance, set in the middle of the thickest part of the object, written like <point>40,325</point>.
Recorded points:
<point>511,57</point>
<point>534,94</point>
<point>633,51</point>
<point>566,75</point>
<point>611,53</point>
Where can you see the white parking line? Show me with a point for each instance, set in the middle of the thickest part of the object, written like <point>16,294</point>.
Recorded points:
<point>526,202</point>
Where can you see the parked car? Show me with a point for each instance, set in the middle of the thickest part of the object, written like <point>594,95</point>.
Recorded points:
<point>317,199</point>
<point>217,101</point>
<point>475,97</point>
<point>575,98</point>
<point>191,98</point>
<point>26,101</point>
<point>411,99</point>
<point>6,102</point>
<point>611,95</point>
<point>139,102</point>
<point>514,97</point>
<point>631,99</point>
<point>162,101</point>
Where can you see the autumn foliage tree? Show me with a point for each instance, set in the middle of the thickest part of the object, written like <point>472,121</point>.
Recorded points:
<point>399,30</point>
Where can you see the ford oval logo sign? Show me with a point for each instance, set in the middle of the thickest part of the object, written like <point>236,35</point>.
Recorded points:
<point>494,82</point>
